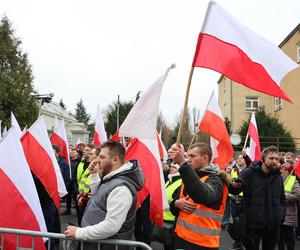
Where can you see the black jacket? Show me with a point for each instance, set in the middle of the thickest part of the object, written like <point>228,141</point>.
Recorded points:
<point>209,193</point>
<point>264,196</point>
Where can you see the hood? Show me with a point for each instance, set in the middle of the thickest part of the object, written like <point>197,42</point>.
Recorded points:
<point>132,171</point>
<point>225,177</point>
<point>210,169</point>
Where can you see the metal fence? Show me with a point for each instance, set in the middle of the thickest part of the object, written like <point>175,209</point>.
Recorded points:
<point>64,242</point>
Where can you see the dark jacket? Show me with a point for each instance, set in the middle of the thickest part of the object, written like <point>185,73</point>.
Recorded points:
<point>208,193</point>
<point>264,196</point>
<point>65,170</point>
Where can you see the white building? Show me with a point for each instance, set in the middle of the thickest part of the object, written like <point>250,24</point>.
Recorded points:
<point>75,130</point>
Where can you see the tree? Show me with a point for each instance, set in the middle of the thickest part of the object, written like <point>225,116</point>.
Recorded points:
<point>271,131</point>
<point>164,129</point>
<point>61,103</point>
<point>111,115</point>
<point>81,114</point>
<point>186,132</point>
<point>15,79</point>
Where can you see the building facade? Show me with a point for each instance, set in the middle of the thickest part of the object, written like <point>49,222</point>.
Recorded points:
<point>238,102</point>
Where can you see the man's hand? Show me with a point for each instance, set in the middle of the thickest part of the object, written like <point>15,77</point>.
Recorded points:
<point>94,166</point>
<point>70,232</point>
<point>177,155</point>
<point>185,205</point>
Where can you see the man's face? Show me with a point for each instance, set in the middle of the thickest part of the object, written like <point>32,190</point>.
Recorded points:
<point>289,159</point>
<point>105,161</point>
<point>240,160</point>
<point>93,154</point>
<point>74,154</point>
<point>271,160</point>
<point>86,152</point>
<point>173,169</point>
<point>196,159</point>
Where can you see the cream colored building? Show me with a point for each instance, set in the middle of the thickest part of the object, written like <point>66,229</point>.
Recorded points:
<point>237,102</point>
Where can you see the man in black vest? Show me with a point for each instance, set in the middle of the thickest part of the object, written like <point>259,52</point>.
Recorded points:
<point>110,212</point>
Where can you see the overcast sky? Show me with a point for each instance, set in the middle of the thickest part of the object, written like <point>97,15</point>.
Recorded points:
<point>96,49</point>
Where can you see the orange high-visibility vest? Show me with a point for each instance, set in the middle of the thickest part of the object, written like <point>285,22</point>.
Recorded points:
<point>203,226</point>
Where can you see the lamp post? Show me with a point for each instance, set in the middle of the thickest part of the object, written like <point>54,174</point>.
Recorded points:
<point>41,99</point>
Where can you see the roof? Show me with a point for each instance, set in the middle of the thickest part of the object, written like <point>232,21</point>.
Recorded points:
<point>289,35</point>
<point>55,109</point>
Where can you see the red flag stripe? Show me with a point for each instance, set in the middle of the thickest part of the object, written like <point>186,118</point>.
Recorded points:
<point>56,139</point>
<point>253,133</point>
<point>36,157</point>
<point>231,61</point>
<point>10,210</point>
<point>139,151</point>
<point>96,139</point>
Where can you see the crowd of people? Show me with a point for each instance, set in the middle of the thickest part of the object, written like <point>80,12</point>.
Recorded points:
<point>258,202</point>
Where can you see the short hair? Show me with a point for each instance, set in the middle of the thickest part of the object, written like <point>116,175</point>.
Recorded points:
<point>290,154</point>
<point>203,149</point>
<point>115,149</point>
<point>98,149</point>
<point>90,145</point>
<point>56,148</point>
<point>267,150</point>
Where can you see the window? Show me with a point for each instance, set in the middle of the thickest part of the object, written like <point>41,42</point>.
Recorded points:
<point>251,103</point>
<point>278,103</point>
<point>298,53</point>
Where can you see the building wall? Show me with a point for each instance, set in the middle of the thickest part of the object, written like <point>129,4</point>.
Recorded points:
<point>290,113</point>
<point>232,101</point>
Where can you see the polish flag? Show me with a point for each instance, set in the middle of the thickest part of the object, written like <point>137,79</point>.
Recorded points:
<point>100,135</point>
<point>42,161</point>
<point>227,46</point>
<point>297,168</point>
<point>21,208</point>
<point>59,137</point>
<point>141,124</point>
<point>14,123</point>
<point>254,151</point>
<point>212,123</point>
<point>162,149</point>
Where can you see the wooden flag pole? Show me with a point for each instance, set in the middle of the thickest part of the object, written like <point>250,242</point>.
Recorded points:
<point>191,143</point>
<point>246,141</point>
<point>187,93</point>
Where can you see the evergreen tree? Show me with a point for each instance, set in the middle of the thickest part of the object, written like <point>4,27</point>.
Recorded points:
<point>81,114</point>
<point>111,115</point>
<point>15,79</point>
<point>61,103</point>
<point>271,132</point>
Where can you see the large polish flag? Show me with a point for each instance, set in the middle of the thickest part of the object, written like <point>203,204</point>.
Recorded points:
<point>21,208</point>
<point>42,161</point>
<point>100,135</point>
<point>14,123</point>
<point>212,123</point>
<point>227,46</point>
<point>254,150</point>
<point>59,137</point>
<point>141,124</point>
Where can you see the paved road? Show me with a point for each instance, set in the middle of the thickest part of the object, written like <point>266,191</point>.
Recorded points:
<point>226,241</point>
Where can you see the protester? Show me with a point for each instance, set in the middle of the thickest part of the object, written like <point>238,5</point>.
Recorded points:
<point>75,160</point>
<point>110,212</point>
<point>83,165</point>
<point>264,198</point>
<point>236,201</point>
<point>292,192</point>
<point>65,171</point>
<point>201,204</point>
<point>165,235</point>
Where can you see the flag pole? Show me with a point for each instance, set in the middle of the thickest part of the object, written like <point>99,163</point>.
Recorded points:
<point>192,141</point>
<point>246,141</point>
<point>187,93</point>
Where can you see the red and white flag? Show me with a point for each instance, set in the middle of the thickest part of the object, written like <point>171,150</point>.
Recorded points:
<point>254,150</point>
<point>59,137</point>
<point>212,123</point>
<point>227,46</point>
<point>20,205</point>
<point>162,149</point>
<point>100,135</point>
<point>297,168</point>
<point>14,123</point>
<point>141,124</point>
<point>42,161</point>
